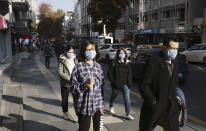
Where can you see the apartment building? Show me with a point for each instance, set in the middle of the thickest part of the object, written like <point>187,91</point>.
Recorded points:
<point>156,19</point>
<point>77,19</point>
<point>32,4</point>
<point>15,23</point>
<point>86,22</point>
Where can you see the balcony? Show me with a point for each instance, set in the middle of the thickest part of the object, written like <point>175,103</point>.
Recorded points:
<point>22,5</point>
<point>21,26</point>
<point>4,7</point>
<point>25,15</point>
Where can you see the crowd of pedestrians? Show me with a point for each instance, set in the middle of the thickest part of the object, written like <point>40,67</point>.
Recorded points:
<point>84,78</point>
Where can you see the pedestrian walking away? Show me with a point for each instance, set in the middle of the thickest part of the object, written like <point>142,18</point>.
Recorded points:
<point>66,64</point>
<point>47,54</point>
<point>158,90</point>
<point>120,75</point>
<point>87,84</point>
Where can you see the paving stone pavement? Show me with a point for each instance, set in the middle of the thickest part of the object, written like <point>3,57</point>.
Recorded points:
<point>42,108</point>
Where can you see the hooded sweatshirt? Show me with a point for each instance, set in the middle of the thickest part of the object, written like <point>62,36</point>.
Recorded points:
<point>65,69</point>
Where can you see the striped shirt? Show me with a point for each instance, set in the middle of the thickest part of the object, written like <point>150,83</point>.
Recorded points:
<point>87,101</point>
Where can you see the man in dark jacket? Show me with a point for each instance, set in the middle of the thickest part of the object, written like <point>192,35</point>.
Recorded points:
<point>158,90</point>
<point>47,54</point>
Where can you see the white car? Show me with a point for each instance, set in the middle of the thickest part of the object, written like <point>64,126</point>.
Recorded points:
<point>197,53</point>
<point>108,51</point>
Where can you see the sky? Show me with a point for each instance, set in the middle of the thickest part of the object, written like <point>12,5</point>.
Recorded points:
<point>66,5</point>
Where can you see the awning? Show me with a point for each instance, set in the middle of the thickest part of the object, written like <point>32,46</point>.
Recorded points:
<point>3,23</point>
<point>26,36</point>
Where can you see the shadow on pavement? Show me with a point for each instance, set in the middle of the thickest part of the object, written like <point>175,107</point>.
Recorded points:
<point>47,100</point>
<point>29,108</point>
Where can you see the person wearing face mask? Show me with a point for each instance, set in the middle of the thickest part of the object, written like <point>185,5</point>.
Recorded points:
<point>120,76</point>
<point>158,90</point>
<point>87,84</point>
<point>66,64</point>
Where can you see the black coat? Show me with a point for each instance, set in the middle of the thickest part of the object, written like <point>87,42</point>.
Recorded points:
<point>114,75</point>
<point>158,86</point>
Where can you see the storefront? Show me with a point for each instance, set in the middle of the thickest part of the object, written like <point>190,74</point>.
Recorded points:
<point>188,35</point>
<point>148,36</point>
<point>4,33</point>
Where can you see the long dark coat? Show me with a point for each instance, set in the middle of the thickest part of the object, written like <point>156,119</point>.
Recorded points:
<point>114,77</point>
<point>158,85</point>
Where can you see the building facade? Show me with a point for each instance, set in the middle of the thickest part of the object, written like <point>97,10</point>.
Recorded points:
<point>155,19</point>
<point>6,17</point>
<point>68,21</point>
<point>77,19</point>
<point>32,4</point>
<point>86,23</point>
<point>16,17</point>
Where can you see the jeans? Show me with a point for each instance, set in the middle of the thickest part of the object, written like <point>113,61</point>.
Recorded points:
<point>126,95</point>
<point>65,95</point>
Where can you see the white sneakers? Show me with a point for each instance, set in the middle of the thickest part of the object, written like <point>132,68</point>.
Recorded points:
<point>65,116</point>
<point>112,110</point>
<point>130,117</point>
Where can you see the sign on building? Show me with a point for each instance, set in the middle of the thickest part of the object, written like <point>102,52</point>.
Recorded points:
<point>3,23</point>
<point>176,30</point>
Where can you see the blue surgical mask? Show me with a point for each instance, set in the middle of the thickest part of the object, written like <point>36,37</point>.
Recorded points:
<point>121,56</point>
<point>172,54</point>
<point>71,55</point>
<point>90,55</point>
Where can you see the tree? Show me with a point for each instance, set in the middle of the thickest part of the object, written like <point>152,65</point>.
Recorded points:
<point>107,11</point>
<point>60,13</point>
<point>44,10</point>
<point>50,24</point>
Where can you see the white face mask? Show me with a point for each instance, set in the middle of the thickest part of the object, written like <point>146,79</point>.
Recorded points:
<point>71,55</point>
<point>172,54</point>
<point>90,55</point>
<point>121,56</point>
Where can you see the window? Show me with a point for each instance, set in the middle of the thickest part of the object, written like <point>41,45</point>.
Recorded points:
<point>106,47</point>
<point>166,14</point>
<point>137,19</point>
<point>195,47</point>
<point>203,47</point>
<point>145,18</point>
<point>136,2</point>
<point>155,16</point>
<point>120,46</point>
<point>145,1</point>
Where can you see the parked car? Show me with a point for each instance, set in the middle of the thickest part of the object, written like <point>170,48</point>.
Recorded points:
<point>108,51</point>
<point>139,60</point>
<point>197,53</point>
